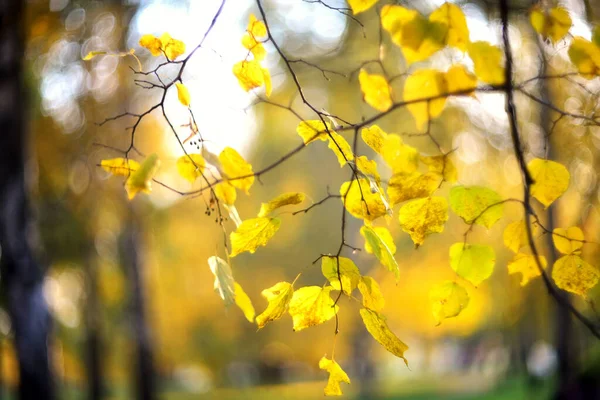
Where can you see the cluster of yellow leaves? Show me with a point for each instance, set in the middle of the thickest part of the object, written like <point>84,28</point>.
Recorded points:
<point>250,73</point>
<point>553,23</point>
<point>171,48</point>
<point>571,272</point>
<point>585,55</point>
<point>139,176</point>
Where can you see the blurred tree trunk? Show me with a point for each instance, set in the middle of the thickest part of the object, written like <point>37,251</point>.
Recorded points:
<point>144,369</point>
<point>22,278</point>
<point>93,341</point>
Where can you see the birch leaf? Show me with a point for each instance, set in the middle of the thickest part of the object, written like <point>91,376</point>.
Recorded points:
<point>244,303</point>
<point>279,297</point>
<point>378,328</point>
<point>238,171</point>
<point>140,180</point>
<point>371,294</point>
<point>336,375</point>
<point>573,274</point>
<point>422,217</point>
<point>224,283</point>
<point>191,166</point>
<point>472,262</point>
<point>253,233</point>
<point>120,166</point>
<point>476,204</point>
<point>376,91</point>
<point>569,240</point>
<point>447,299</point>
<point>550,180</point>
<point>526,265</point>
<point>311,305</point>
<point>347,271</point>
<point>282,200</point>
<point>379,241</point>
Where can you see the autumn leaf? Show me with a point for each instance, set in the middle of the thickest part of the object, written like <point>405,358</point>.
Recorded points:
<point>151,43</point>
<point>371,294</point>
<point>311,305</point>
<point>224,284</point>
<point>251,74</point>
<point>425,84</point>
<point>359,6</point>
<point>376,91</point>
<point>334,268</point>
<point>183,94</point>
<point>515,235</point>
<point>447,299</point>
<point>93,54</point>
<point>140,180</point>
<point>340,148</point>
<point>408,186</point>
<point>400,157</point>
<point>120,166</point>
<point>526,265</point>
<point>550,180</point>
<point>573,274</point>
<point>238,171</point>
<point>459,79</point>
<point>422,217</point>
<point>569,240</point>
<point>253,233</point>
<point>379,241</point>
<point>256,48</point>
<point>452,17</point>
<point>244,303</point>
<point>173,48</point>
<point>361,202</point>
<point>472,262</point>
<point>476,204</point>
<point>585,55</point>
<point>279,297</point>
<point>191,166</point>
<point>487,60</point>
<point>225,192</point>
<point>313,130</point>
<point>336,375</point>
<point>368,168</point>
<point>553,23</point>
<point>441,165</point>
<point>282,200</point>
<point>378,328</point>
<point>374,137</point>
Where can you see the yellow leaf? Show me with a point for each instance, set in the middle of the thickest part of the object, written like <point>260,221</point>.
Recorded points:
<point>399,156</point>
<point>313,130</point>
<point>487,60</point>
<point>191,166</point>
<point>334,268</point>
<point>473,262</point>
<point>244,303</point>
<point>361,201</point>
<point>279,297</point>
<point>255,47</point>
<point>255,27</point>
<point>173,48</point>
<point>120,166</point>
<point>441,165</point>
<point>359,6</point>
<point>379,241</point>
<point>253,233</point>
<point>368,168</point>
<point>337,142</point>
<point>251,74</point>
<point>476,204</point>
<point>140,180</point>
<point>371,294</point>
<point>457,32</point>
<point>553,23</point>
<point>224,283</point>
<point>378,328</point>
<point>225,192</point>
<point>423,84</point>
<point>515,235</point>
<point>151,43</point>
<point>550,180</point>
<point>311,305</point>
<point>374,137</point>
<point>336,374</point>
<point>417,36</point>
<point>569,240</point>
<point>422,217</point>
<point>585,55</point>
<point>573,274</point>
<point>408,186</point>
<point>280,201</point>
<point>459,79</point>
<point>376,91</point>
<point>238,171</point>
<point>527,266</point>
<point>447,299</point>
<point>93,54</point>
<point>183,94</point>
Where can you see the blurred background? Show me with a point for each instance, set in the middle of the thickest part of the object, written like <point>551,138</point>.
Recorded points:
<point>123,276</point>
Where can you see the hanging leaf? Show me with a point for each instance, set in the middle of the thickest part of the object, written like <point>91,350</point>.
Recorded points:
<point>244,303</point>
<point>550,180</point>
<point>225,192</point>
<point>585,55</point>
<point>224,283</point>
<point>425,84</point>
<point>368,168</point>
<point>569,240</point>
<point>476,204</point>
<point>422,217</point>
<point>334,268</point>
<point>191,166</point>
<point>120,166</point>
<point>401,157</point>
<point>452,17</point>
<point>374,137</point>
<point>376,91</point>
<point>459,79</point>
<point>447,299</point>
<point>279,297</point>
<point>487,60</point>
<point>313,130</point>
<point>378,328</point>
<point>361,202</point>
<point>183,94</point>
<point>140,180</point>
<point>472,262</point>
<point>553,24</point>
<point>573,274</point>
<point>238,171</point>
<point>515,235</point>
<point>282,200</point>
<point>337,143</point>
<point>151,43</point>
<point>173,48</point>
<point>526,265</point>
<point>379,241</point>
<point>371,294</point>
<point>408,186</point>
<point>311,305</point>
<point>336,375</point>
<point>357,7</point>
<point>253,233</point>
<point>251,75</point>
<point>441,165</point>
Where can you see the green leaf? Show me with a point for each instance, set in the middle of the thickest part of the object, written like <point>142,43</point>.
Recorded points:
<point>476,204</point>
<point>472,262</point>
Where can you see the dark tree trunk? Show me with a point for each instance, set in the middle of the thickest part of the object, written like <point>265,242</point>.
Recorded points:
<point>93,342</point>
<point>22,278</point>
<point>144,369</point>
